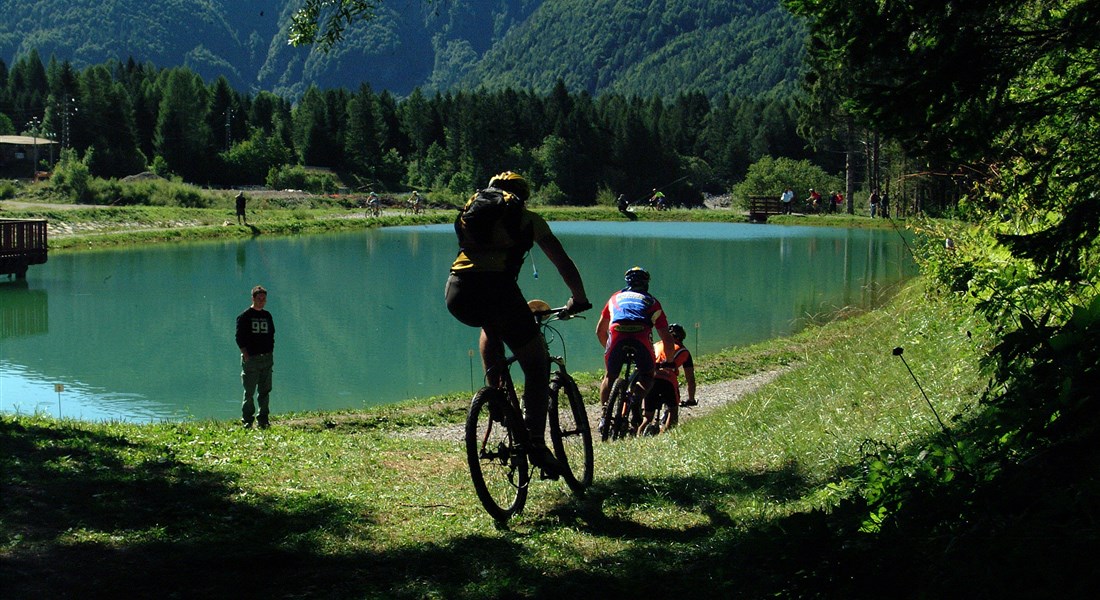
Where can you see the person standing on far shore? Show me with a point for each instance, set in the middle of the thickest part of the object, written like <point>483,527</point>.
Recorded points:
<point>256,339</point>
<point>787,199</point>
<point>241,218</point>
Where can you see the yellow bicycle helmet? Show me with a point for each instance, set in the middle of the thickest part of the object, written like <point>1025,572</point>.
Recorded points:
<point>513,182</point>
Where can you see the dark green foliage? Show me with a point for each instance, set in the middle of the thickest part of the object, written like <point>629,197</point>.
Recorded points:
<point>182,135</point>
<point>1006,91</point>
<point>633,47</point>
<point>637,47</point>
<point>128,116</point>
<point>71,177</point>
<point>300,178</point>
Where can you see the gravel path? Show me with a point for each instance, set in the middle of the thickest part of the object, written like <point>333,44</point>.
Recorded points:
<point>710,397</point>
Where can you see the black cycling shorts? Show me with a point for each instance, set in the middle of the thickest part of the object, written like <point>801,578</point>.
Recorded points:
<point>662,392</point>
<point>493,302</point>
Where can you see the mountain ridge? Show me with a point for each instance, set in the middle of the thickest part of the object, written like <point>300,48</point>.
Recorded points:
<point>631,47</point>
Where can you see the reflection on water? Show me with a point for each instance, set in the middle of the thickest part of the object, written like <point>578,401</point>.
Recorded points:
<point>23,312</point>
<point>146,334</point>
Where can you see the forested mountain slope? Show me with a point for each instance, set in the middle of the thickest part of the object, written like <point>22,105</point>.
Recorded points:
<point>634,47</point>
<point>639,47</point>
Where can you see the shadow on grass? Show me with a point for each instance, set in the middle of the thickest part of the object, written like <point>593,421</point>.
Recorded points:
<point>66,491</point>
<point>199,538</point>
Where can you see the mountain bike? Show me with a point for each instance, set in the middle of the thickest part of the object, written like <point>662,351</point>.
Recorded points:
<point>623,413</point>
<point>497,439</point>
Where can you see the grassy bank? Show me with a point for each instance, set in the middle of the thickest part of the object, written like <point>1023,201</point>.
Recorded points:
<point>348,505</point>
<point>81,227</point>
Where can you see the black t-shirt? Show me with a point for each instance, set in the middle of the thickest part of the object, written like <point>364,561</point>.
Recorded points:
<point>256,331</point>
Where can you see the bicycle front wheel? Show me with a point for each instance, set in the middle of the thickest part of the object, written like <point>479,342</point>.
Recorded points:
<point>570,432</point>
<point>498,467</point>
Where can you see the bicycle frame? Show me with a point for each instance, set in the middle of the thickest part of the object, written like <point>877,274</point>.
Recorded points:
<point>620,415</point>
<point>498,459</point>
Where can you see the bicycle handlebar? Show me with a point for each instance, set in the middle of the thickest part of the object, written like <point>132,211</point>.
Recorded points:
<point>564,312</point>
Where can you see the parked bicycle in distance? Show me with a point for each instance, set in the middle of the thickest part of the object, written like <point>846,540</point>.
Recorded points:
<point>496,435</point>
<point>623,413</point>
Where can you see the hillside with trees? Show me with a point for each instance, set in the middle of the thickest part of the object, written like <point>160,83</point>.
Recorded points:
<point>121,118</point>
<point>632,47</point>
<point>661,49</point>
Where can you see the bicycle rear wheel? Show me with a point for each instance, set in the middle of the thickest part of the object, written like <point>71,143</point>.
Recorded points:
<point>498,467</point>
<point>570,432</point>
<point>616,423</point>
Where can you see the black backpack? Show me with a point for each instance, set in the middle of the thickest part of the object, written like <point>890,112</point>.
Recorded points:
<point>492,220</point>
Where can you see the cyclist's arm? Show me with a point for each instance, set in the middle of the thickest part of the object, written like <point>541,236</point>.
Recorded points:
<point>566,267</point>
<point>666,336</point>
<point>602,327</point>
<point>689,377</point>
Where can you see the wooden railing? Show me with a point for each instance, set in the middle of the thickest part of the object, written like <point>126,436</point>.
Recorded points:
<point>761,207</point>
<point>22,243</point>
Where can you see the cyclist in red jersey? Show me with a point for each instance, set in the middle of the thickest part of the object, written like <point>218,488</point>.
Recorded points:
<point>627,320</point>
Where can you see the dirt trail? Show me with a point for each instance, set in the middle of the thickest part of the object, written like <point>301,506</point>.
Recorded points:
<point>710,397</point>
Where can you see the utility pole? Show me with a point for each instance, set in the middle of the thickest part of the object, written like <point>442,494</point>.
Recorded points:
<point>849,175</point>
<point>228,130</point>
<point>66,112</point>
<point>33,126</point>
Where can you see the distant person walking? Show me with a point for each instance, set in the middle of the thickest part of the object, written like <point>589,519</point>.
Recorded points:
<point>256,339</point>
<point>241,218</point>
<point>787,199</point>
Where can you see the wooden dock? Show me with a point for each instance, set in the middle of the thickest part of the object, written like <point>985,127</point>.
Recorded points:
<point>761,207</point>
<point>22,244</point>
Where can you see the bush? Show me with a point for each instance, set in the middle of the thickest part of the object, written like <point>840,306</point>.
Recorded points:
<point>250,161</point>
<point>770,176</point>
<point>461,183</point>
<point>71,176</point>
<point>160,167</point>
<point>297,177</point>
<point>438,197</point>
<point>549,195</point>
<point>606,197</point>
<point>156,192</point>
<point>7,189</point>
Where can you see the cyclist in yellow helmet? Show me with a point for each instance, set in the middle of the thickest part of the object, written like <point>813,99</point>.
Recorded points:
<point>482,291</point>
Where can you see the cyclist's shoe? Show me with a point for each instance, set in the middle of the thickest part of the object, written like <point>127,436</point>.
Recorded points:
<point>689,403</point>
<point>544,459</point>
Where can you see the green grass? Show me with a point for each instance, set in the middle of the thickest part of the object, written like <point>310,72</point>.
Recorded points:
<point>342,505</point>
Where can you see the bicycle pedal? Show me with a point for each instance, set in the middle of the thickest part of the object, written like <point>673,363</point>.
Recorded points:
<point>546,476</point>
